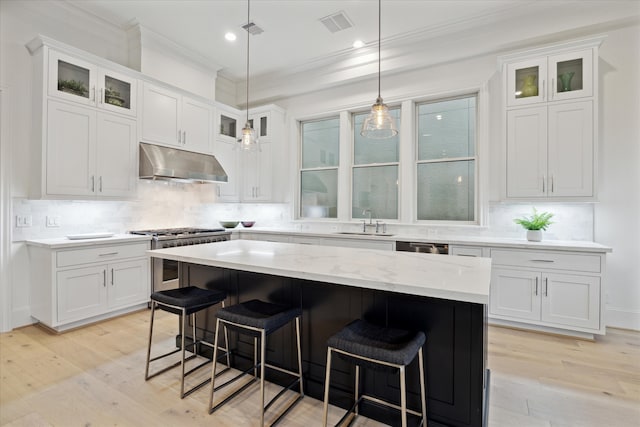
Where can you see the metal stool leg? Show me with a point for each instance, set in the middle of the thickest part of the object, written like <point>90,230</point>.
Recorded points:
<point>327,380</point>
<point>299,356</point>
<point>183,316</point>
<point>146,371</point>
<point>403,396</point>
<point>423,394</point>
<point>357,388</point>
<point>215,361</point>
<point>263,348</point>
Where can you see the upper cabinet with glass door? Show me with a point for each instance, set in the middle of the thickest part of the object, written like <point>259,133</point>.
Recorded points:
<point>550,78</point>
<point>82,82</point>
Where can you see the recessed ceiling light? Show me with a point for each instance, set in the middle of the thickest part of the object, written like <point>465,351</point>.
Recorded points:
<point>358,44</point>
<point>230,36</point>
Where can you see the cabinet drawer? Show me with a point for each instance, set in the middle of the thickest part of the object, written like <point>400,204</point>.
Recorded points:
<point>547,260</point>
<point>472,251</point>
<point>100,254</point>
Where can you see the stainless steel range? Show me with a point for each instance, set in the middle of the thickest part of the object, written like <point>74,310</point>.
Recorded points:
<point>165,273</point>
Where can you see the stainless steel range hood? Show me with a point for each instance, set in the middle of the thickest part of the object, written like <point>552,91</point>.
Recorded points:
<point>165,163</point>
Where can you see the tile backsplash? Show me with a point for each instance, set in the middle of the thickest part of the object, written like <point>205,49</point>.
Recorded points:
<point>168,204</point>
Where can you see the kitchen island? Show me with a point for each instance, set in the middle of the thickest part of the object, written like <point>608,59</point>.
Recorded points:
<point>446,297</point>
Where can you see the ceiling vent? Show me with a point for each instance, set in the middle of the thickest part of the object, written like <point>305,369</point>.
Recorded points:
<point>253,29</point>
<point>336,22</point>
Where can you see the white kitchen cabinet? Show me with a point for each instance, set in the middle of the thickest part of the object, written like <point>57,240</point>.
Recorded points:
<point>171,118</point>
<point>566,75</point>
<point>261,123</point>
<point>384,245</point>
<point>76,286</point>
<point>89,153</point>
<point>550,151</point>
<point>548,289</point>
<point>471,251</point>
<point>551,122</point>
<point>229,121</point>
<point>228,154</point>
<point>80,81</point>
<point>257,173</point>
<point>84,133</point>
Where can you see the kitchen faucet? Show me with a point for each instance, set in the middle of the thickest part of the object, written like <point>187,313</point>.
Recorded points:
<point>364,221</point>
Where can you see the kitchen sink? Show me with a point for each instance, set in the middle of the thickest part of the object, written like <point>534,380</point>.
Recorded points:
<point>361,233</point>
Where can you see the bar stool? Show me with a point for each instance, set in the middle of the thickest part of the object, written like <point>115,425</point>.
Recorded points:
<point>258,319</point>
<point>185,301</point>
<point>376,347</point>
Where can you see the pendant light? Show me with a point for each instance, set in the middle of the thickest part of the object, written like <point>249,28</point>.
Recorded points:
<point>248,140</point>
<point>379,124</point>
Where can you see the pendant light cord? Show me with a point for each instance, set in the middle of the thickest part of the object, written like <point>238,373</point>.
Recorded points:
<point>248,37</point>
<point>379,31</point>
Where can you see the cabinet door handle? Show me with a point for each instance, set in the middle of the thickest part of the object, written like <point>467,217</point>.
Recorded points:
<point>553,87</point>
<point>108,254</point>
<point>546,286</point>
<point>112,277</point>
<point>104,278</point>
<point>535,292</point>
<point>543,184</point>
<point>184,137</point>
<point>93,93</point>
<point>93,184</point>
<point>100,184</point>
<point>544,89</point>
<point>101,96</point>
<point>541,260</point>
<point>552,183</point>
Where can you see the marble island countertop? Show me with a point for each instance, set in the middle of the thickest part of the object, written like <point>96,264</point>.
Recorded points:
<point>64,242</point>
<point>454,278</point>
<point>505,242</point>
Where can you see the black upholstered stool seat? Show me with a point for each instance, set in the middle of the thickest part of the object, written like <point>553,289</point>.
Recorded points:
<point>258,319</point>
<point>191,298</point>
<point>388,349</point>
<point>259,314</point>
<point>185,302</point>
<point>389,345</point>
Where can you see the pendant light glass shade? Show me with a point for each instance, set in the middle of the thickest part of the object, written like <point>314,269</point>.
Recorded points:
<point>379,124</point>
<point>248,140</point>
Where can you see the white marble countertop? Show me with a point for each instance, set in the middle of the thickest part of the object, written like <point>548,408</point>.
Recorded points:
<point>505,242</point>
<point>63,242</point>
<point>454,278</point>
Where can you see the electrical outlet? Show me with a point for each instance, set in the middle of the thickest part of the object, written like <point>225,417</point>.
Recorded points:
<point>24,221</point>
<point>53,221</point>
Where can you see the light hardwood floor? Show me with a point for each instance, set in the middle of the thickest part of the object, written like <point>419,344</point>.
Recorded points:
<point>94,377</point>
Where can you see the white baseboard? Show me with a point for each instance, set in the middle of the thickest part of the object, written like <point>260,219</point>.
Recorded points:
<point>21,317</point>
<point>616,317</point>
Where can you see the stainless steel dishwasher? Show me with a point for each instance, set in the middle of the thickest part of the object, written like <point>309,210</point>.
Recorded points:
<point>423,247</point>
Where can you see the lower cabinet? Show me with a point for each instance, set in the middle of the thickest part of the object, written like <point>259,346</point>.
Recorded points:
<point>547,289</point>
<point>83,285</point>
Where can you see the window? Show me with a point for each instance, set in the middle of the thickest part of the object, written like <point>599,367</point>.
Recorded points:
<point>320,149</point>
<point>446,160</point>
<point>375,173</point>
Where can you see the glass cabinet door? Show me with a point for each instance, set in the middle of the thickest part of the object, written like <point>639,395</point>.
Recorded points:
<point>72,79</point>
<point>526,82</point>
<point>117,92</point>
<point>260,123</point>
<point>571,75</point>
<point>228,127</point>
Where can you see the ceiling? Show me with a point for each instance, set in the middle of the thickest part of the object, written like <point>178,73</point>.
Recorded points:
<point>295,40</point>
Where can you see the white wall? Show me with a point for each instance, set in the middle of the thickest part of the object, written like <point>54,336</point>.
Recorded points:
<point>617,216</point>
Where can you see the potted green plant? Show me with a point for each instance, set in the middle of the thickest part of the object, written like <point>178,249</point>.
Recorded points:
<point>535,224</point>
<point>72,86</point>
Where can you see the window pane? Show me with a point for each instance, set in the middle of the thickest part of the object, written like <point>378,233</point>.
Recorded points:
<point>447,129</point>
<point>375,188</point>
<point>319,194</point>
<point>446,191</point>
<point>321,143</point>
<point>367,151</point>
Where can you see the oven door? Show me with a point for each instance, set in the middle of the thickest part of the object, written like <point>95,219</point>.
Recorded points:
<point>165,274</point>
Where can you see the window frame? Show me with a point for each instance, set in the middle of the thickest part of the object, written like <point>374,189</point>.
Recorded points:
<point>475,158</point>
<point>300,169</point>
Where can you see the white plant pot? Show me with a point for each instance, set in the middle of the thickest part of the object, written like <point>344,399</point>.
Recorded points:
<point>534,235</point>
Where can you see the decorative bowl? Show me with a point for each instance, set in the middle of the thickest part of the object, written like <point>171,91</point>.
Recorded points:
<point>229,224</point>
<point>247,224</point>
